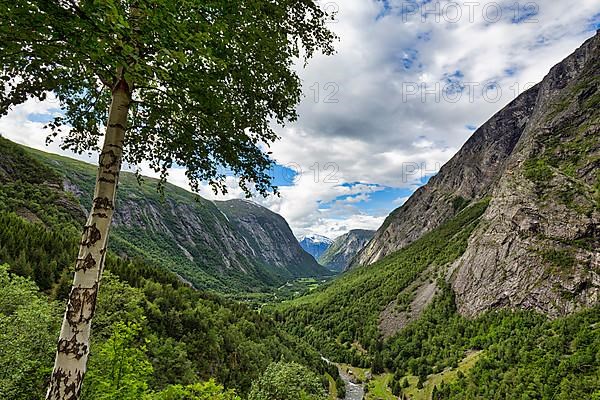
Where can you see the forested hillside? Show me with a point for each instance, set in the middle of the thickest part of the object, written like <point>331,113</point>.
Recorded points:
<point>485,284</point>
<point>227,246</point>
<point>382,317</point>
<point>346,312</point>
<point>169,333</point>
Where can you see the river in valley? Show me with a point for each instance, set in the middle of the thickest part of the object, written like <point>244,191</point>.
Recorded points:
<point>353,391</point>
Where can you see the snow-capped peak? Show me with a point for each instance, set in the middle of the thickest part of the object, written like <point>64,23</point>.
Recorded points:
<point>314,238</point>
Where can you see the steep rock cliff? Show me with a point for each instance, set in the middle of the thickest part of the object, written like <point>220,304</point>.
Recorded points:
<point>344,248</point>
<point>467,177</point>
<point>538,245</point>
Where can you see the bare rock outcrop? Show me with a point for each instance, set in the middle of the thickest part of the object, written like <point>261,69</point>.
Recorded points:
<point>538,245</point>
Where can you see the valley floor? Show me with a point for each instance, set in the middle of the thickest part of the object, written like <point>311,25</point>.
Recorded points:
<point>362,385</point>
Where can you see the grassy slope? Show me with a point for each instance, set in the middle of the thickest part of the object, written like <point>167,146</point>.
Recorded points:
<point>449,375</point>
<point>332,387</point>
<point>378,388</point>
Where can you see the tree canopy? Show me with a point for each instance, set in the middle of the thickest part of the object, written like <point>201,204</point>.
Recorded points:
<point>206,78</point>
<point>287,381</point>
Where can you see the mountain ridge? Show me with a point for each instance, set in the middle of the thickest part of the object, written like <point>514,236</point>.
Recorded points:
<point>460,181</point>
<point>207,243</point>
<point>344,248</point>
<point>538,246</point>
<point>537,159</point>
<point>525,236</point>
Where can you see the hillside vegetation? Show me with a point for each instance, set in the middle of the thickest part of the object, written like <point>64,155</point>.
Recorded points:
<point>524,353</point>
<point>174,334</point>
<point>230,247</point>
<point>346,311</point>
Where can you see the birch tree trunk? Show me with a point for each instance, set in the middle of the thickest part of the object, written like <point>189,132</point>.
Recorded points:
<point>74,341</point>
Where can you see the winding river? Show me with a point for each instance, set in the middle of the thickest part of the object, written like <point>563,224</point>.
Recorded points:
<point>354,391</point>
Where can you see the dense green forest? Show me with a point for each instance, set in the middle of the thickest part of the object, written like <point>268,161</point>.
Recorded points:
<point>525,355</point>
<point>169,341</point>
<point>153,334</point>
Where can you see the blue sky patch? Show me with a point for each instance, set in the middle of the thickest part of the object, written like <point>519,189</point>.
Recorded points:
<point>283,176</point>
<point>385,9</point>
<point>379,202</point>
<point>594,23</point>
<point>453,82</point>
<point>408,58</point>
<point>424,36</point>
<point>524,13</point>
<point>512,71</point>
<point>42,118</point>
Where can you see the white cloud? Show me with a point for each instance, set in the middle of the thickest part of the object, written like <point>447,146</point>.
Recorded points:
<point>361,122</point>
<point>376,132</point>
<point>332,228</point>
<point>357,199</point>
<point>18,127</point>
<point>400,201</point>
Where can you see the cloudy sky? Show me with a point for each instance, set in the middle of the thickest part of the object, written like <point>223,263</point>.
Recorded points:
<point>410,82</point>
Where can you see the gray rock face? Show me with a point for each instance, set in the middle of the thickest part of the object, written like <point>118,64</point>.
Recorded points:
<point>229,246</point>
<point>393,319</point>
<point>236,241</point>
<point>538,246</point>
<point>269,238</point>
<point>468,176</point>
<point>342,251</point>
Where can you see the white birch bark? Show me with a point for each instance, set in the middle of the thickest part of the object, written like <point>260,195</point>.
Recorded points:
<point>74,341</point>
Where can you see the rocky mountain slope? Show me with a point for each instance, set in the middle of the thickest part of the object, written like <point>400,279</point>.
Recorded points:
<point>269,237</point>
<point>343,249</point>
<point>537,246</point>
<point>227,246</point>
<point>315,245</point>
<point>468,176</point>
<point>505,236</point>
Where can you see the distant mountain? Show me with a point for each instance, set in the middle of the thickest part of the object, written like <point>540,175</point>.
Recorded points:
<point>343,249</point>
<point>227,246</point>
<point>315,245</point>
